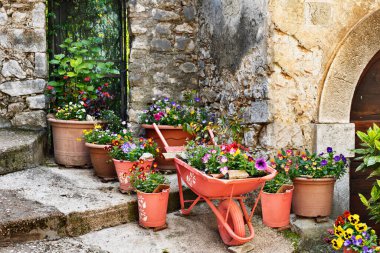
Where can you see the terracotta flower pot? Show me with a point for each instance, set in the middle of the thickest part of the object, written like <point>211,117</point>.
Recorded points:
<point>153,208</point>
<point>101,161</point>
<point>69,146</point>
<point>175,136</point>
<point>276,208</point>
<point>313,197</point>
<point>348,250</point>
<point>124,169</point>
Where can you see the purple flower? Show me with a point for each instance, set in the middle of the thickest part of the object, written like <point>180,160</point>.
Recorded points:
<point>173,103</point>
<point>336,158</point>
<point>261,164</point>
<point>205,158</point>
<point>323,163</point>
<point>224,170</point>
<point>347,242</point>
<point>329,150</point>
<point>197,100</point>
<point>223,159</point>
<point>343,158</point>
<point>166,99</point>
<point>128,146</point>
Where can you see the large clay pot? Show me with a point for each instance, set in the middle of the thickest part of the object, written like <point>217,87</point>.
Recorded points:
<point>153,208</point>
<point>175,136</point>
<point>124,169</point>
<point>313,197</point>
<point>101,161</point>
<point>69,146</point>
<point>276,208</point>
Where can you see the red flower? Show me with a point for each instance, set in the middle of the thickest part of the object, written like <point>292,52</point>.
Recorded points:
<point>65,77</point>
<point>50,87</point>
<point>339,221</point>
<point>87,79</point>
<point>106,85</point>
<point>141,161</point>
<point>155,165</point>
<point>84,99</point>
<point>346,214</point>
<point>99,88</point>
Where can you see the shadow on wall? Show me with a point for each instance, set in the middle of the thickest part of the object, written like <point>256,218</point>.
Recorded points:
<point>235,26</point>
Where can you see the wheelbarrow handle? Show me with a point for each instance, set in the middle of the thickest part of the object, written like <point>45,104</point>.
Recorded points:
<point>162,138</point>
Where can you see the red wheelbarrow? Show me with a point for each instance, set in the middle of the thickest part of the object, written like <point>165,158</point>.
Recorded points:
<point>230,217</point>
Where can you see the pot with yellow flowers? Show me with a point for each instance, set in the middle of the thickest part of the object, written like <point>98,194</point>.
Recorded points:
<point>131,154</point>
<point>352,235</point>
<point>314,177</point>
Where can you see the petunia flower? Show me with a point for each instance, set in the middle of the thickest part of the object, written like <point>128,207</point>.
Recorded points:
<point>329,150</point>
<point>224,170</point>
<point>261,164</point>
<point>323,163</point>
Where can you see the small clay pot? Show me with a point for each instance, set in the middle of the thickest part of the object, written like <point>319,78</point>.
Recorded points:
<point>123,171</point>
<point>101,161</point>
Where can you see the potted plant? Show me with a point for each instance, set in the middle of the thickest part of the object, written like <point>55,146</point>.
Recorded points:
<point>370,156</point>
<point>313,177</point>
<point>276,198</point>
<point>77,94</point>
<point>129,155</point>
<point>177,121</point>
<point>351,235</point>
<point>98,139</point>
<point>152,195</point>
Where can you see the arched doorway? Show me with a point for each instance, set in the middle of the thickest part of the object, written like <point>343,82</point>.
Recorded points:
<point>365,110</point>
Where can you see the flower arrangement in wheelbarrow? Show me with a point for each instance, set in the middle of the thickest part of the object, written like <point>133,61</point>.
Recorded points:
<point>152,195</point>
<point>176,121</point>
<point>352,235</point>
<point>314,174</point>
<point>98,139</point>
<point>130,154</point>
<point>224,173</point>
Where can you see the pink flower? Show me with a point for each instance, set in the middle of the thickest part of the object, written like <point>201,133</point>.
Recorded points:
<point>289,152</point>
<point>50,87</point>
<point>157,116</point>
<point>261,164</point>
<point>224,170</point>
<point>213,151</point>
<point>87,79</point>
<point>223,159</point>
<point>205,158</point>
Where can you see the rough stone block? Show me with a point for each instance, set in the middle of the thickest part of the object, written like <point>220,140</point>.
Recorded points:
<point>341,137</point>
<point>41,65</point>
<point>30,120</point>
<point>3,17</point>
<point>184,28</point>
<point>188,67</point>
<point>318,13</point>
<point>38,15</point>
<point>4,123</point>
<point>161,45</point>
<point>19,88</point>
<point>163,28</point>
<point>16,107</point>
<point>341,195</point>
<point>181,43</point>
<point>189,13</point>
<point>36,102</point>
<point>161,15</point>
<point>12,68</point>
<point>258,112</point>
<point>138,29</point>
<point>245,248</point>
<point>28,40</point>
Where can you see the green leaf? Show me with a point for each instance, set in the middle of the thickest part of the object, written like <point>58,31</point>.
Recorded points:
<point>59,56</point>
<point>61,72</point>
<point>377,144</point>
<point>373,160</point>
<point>360,167</point>
<point>54,61</point>
<point>90,88</point>
<point>375,173</point>
<point>76,62</point>
<point>362,136</point>
<point>363,200</point>
<point>71,74</point>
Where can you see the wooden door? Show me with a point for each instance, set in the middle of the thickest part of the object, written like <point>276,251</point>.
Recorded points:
<point>365,111</point>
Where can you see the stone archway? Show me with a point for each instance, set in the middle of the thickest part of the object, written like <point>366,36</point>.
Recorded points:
<point>334,128</point>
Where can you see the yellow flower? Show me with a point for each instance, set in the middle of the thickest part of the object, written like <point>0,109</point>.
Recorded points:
<point>337,243</point>
<point>85,131</point>
<point>79,139</point>
<point>361,227</point>
<point>97,126</point>
<point>338,231</point>
<point>221,153</point>
<point>192,111</point>
<point>358,237</point>
<point>245,156</point>
<point>354,219</point>
<point>237,152</point>
<point>348,233</point>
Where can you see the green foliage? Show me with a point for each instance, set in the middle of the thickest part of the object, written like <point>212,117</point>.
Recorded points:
<point>370,156</point>
<point>105,136</point>
<point>77,73</point>
<point>132,150</point>
<point>147,182</point>
<point>71,111</point>
<point>274,185</point>
<point>114,123</point>
<point>215,159</point>
<point>230,128</point>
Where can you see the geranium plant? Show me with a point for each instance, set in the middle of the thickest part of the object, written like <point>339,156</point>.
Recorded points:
<point>313,165</point>
<point>78,74</point>
<point>221,159</point>
<point>351,233</point>
<point>147,181</point>
<point>189,114</point>
<point>132,150</point>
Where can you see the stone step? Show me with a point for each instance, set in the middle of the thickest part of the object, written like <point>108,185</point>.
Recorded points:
<point>21,149</point>
<point>195,233</point>
<point>52,202</point>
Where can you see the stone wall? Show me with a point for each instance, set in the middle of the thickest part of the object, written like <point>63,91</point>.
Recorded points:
<point>23,63</point>
<point>163,60</point>
<point>233,64</point>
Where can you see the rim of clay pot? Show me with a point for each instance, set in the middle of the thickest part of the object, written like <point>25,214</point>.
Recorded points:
<point>162,127</point>
<point>123,161</point>
<point>93,145</point>
<point>324,179</point>
<point>156,193</point>
<point>75,122</point>
<point>282,193</point>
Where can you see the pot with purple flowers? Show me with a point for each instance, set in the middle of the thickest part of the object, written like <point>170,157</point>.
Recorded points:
<point>129,156</point>
<point>314,177</point>
<point>178,122</point>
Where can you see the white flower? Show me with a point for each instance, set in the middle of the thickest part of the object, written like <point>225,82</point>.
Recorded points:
<point>83,110</point>
<point>123,123</point>
<point>81,102</point>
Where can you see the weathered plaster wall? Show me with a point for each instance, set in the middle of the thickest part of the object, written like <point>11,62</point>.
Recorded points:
<point>23,63</point>
<point>233,60</point>
<point>303,38</point>
<point>163,61</point>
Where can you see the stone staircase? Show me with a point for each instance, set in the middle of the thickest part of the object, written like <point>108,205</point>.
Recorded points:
<point>21,149</point>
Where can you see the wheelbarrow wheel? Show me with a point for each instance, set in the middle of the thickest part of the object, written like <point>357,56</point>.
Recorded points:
<point>235,221</point>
